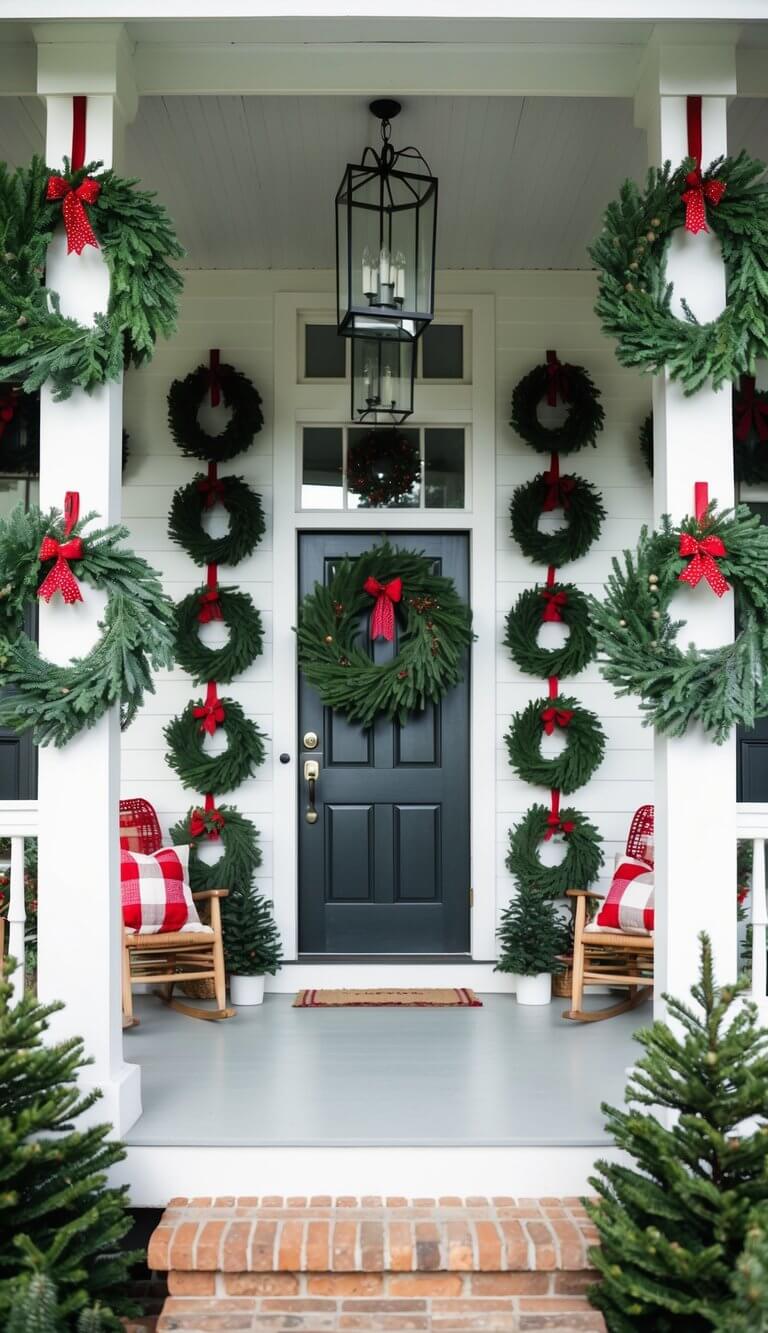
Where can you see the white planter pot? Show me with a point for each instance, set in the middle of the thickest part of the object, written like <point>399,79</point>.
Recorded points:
<point>246,990</point>
<point>534,990</point>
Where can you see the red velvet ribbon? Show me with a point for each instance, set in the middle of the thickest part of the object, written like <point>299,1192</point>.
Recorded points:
<point>750,413</point>
<point>554,823</point>
<point>554,601</point>
<point>60,578</point>
<point>559,489</point>
<point>209,821</point>
<point>79,109</point>
<point>210,606</point>
<point>558,380</point>
<point>699,192</point>
<point>211,488</point>
<point>79,230</point>
<point>211,713</point>
<point>383,614</point>
<point>214,383</point>
<point>555,717</point>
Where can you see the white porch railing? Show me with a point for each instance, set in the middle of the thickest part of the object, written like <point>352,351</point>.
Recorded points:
<point>752,826</point>
<point>18,821</point>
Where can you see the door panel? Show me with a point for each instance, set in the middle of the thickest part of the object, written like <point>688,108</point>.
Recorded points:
<point>385,868</point>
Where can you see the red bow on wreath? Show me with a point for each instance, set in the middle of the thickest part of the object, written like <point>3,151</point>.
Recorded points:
<point>212,490</point>
<point>554,602</point>
<point>699,192</point>
<point>211,713</point>
<point>555,717</point>
<point>554,823</point>
<point>383,614</point>
<point>60,578</point>
<point>701,562</point>
<point>79,230</point>
<point>559,490</point>
<point>209,821</point>
<point>749,412</point>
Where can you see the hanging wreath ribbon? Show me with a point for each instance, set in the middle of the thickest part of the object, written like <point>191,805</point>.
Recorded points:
<point>210,602</point>
<point>552,717</point>
<point>555,822</point>
<point>699,192</point>
<point>211,713</point>
<point>60,578</point>
<point>558,380</point>
<point>559,489</point>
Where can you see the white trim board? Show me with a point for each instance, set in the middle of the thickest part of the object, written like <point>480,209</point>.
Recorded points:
<point>360,975</point>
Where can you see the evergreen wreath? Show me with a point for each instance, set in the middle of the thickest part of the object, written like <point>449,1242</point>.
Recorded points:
<point>717,687</point>
<point>524,623</point>
<point>223,772</point>
<point>383,467</point>
<point>585,414</point>
<point>245,642</point>
<point>246,520</point>
<point>582,861</point>
<point>57,702</point>
<point>238,393</point>
<point>583,754</point>
<point>634,297</point>
<point>436,632</point>
<point>241,856</point>
<point>750,438</point>
<point>37,343</point>
<point>584,514</point>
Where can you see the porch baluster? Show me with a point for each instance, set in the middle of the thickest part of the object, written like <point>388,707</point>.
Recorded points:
<point>17,916</point>
<point>759,920</point>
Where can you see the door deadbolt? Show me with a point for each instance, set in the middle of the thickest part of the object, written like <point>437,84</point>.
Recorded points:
<point>311,740</point>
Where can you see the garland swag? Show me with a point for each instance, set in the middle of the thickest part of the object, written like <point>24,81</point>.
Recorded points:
<point>238,613</point>
<point>383,467</point>
<point>584,750</point>
<point>634,297</point>
<point>576,388</point>
<point>37,343</point>
<point>57,702</point>
<point>584,514</point>
<point>246,520</point>
<point>433,639</point>
<point>524,621</point>
<point>241,857</point>
<point>582,861</point>
<point>239,394</point>
<point>223,772</point>
<point>718,687</point>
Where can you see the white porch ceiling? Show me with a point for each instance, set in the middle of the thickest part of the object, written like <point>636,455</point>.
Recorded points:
<point>250,180</point>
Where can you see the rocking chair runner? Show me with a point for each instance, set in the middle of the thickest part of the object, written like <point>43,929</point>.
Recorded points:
<point>176,956</point>
<point>612,957</point>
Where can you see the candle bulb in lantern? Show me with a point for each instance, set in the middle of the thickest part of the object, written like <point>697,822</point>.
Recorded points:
<point>384,272</point>
<point>387,395</point>
<point>368,284</point>
<point>367,380</point>
<point>400,276</point>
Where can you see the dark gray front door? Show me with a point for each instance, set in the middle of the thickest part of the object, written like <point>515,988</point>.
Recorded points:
<point>385,869</point>
<point>752,744</point>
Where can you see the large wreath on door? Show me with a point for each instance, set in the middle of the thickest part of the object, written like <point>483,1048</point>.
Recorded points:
<point>380,587</point>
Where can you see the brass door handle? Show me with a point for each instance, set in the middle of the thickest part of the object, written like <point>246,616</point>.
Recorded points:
<point>311,775</point>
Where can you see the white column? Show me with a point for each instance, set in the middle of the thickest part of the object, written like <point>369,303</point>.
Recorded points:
<point>79,916</point>
<point>695,780</point>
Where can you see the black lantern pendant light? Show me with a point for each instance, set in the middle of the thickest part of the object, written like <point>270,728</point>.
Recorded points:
<point>385,241</point>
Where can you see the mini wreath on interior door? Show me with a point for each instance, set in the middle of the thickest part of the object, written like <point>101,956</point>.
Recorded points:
<point>572,386</point>
<point>42,554</point>
<point>387,583</point>
<point>246,520</point>
<point>133,232</point>
<point>585,743</point>
<point>238,393</point>
<point>238,838</point>
<point>237,611</point>
<point>636,636</point>
<point>583,858</point>
<point>634,296</point>
<point>556,602</point>
<point>203,771</point>
<point>383,467</point>
<point>584,514</point>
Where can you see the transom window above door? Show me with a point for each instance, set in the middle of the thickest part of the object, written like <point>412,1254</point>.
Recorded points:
<point>419,467</point>
<point>442,352</point>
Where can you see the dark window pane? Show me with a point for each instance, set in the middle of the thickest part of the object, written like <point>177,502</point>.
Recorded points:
<point>325,353</point>
<point>321,478</point>
<point>442,355</point>
<point>444,468</point>
<point>382,470</point>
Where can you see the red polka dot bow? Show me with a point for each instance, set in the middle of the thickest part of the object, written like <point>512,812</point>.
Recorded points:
<point>554,603</point>
<point>79,230</point>
<point>60,578</point>
<point>555,717</point>
<point>383,615</point>
<point>696,198</point>
<point>701,555</point>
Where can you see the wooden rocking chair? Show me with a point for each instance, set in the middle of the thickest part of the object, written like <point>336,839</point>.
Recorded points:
<point>178,955</point>
<point>612,957</point>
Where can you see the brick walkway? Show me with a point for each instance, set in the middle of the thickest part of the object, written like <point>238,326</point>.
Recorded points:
<point>320,1265</point>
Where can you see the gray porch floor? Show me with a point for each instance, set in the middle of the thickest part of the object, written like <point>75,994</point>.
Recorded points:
<point>502,1075</point>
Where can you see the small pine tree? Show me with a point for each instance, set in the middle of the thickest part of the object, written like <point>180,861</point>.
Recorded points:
<point>54,1204</point>
<point>671,1232</point>
<point>749,1311</point>
<point>252,943</point>
<point>35,1305</point>
<point>531,934</point>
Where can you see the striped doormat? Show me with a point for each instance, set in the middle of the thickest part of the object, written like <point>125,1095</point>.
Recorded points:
<point>455,997</point>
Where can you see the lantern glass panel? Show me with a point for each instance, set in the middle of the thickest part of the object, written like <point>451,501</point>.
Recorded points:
<point>382,380</point>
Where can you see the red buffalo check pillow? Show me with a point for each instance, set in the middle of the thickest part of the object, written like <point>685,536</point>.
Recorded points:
<point>628,905</point>
<point>155,892</point>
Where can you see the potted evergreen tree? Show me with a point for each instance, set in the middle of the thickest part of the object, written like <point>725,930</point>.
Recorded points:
<point>532,935</point>
<point>251,944</point>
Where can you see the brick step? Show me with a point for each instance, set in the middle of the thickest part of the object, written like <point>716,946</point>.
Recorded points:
<point>323,1265</point>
